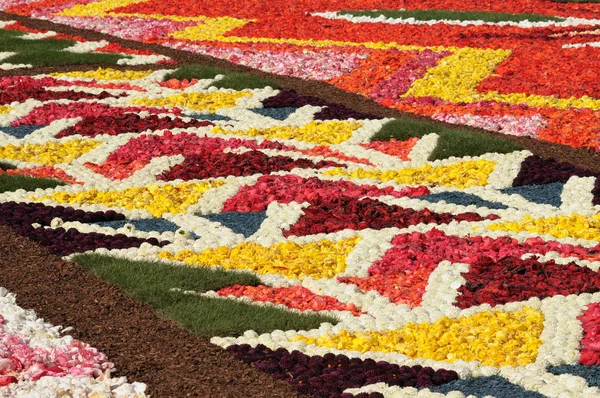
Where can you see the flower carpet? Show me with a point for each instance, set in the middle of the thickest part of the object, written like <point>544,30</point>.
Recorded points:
<point>392,268</point>
<point>344,253</point>
<point>525,68</point>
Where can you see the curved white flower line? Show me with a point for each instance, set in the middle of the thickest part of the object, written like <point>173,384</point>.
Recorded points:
<point>405,392</point>
<point>567,21</point>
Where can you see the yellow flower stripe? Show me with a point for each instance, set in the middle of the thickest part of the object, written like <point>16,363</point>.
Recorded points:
<point>325,43</point>
<point>544,101</point>
<point>573,226</point>
<point>457,76</point>
<point>197,101</point>
<point>462,175</point>
<point>494,338</point>
<point>5,109</point>
<point>322,133</point>
<point>211,29</point>
<point>157,200</point>
<point>48,153</point>
<point>97,9</point>
<point>106,74</point>
<point>176,18</point>
<point>324,259</point>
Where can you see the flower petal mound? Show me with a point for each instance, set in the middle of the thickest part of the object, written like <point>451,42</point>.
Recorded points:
<point>294,297</point>
<point>355,214</point>
<point>462,175</point>
<point>323,133</point>
<point>493,338</point>
<point>400,149</point>
<point>572,226</point>
<point>48,154</point>
<point>290,188</point>
<point>590,350</point>
<point>196,101</point>
<point>229,164</point>
<point>513,279</point>
<point>127,123</point>
<point>153,198</point>
<point>318,260</point>
<point>329,375</point>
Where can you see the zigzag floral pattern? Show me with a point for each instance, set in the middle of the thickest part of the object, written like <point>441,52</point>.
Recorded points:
<point>441,273</point>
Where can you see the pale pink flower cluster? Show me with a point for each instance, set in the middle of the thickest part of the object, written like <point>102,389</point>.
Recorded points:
<point>315,65</point>
<point>21,361</point>
<point>518,126</point>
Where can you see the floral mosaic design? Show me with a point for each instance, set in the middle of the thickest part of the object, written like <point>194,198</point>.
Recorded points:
<point>502,69</point>
<point>462,276</point>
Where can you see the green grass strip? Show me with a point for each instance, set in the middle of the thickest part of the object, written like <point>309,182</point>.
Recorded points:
<point>6,166</point>
<point>240,81</point>
<point>57,58</point>
<point>189,72</point>
<point>452,141</point>
<point>10,183</point>
<point>11,41</point>
<point>34,46</point>
<point>48,52</point>
<point>232,80</point>
<point>151,282</point>
<point>428,15</point>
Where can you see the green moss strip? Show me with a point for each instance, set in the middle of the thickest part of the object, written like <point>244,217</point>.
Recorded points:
<point>58,58</point>
<point>151,282</point>
<point>48,52</point>
<point>232,80</point>
<point>189,72</point>
<point>452,141</point>
<point>10,183</point>
<point>6,166</point>
<point>428,15</point>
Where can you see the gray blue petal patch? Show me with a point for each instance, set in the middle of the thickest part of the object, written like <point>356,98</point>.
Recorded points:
<point>242,223</point>
<point>464,199</point>
<point>19,131</point>
<point>146,224</point>
<point>211,117</point>
<point>275,113</point>
<point>591,374</point>
<point>543,194</point>
<point>480,387</point>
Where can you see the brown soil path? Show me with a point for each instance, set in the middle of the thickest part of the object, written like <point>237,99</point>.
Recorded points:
<point>171,361</point>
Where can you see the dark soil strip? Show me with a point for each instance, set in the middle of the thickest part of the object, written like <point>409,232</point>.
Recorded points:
<point>577,156</point>
<point>173,362</point>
